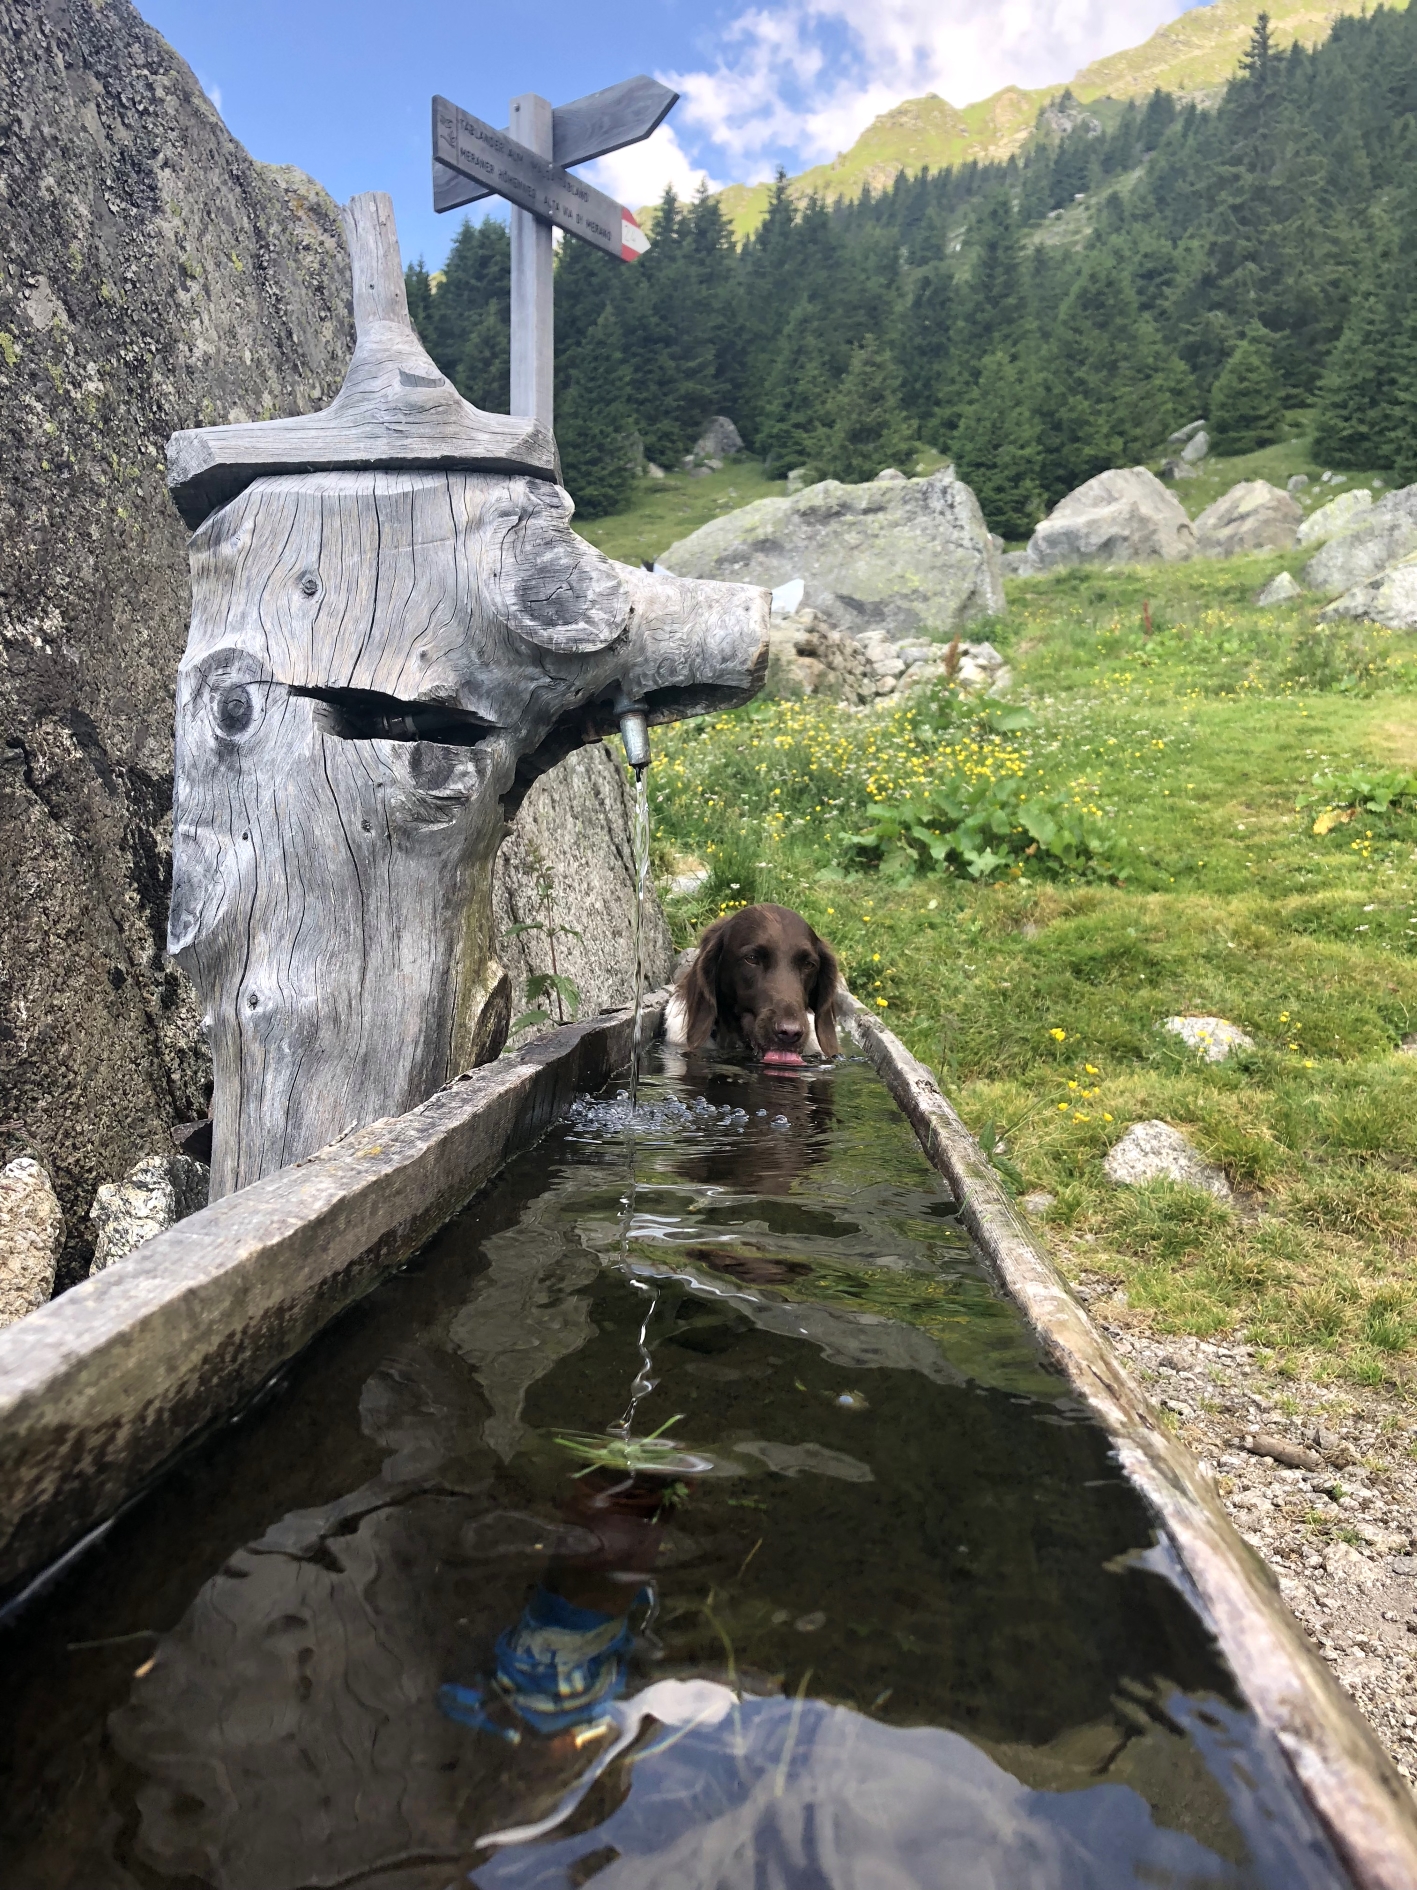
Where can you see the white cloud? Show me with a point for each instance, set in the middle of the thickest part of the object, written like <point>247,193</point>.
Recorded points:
<point>638,174</point>
<point>803,79</point>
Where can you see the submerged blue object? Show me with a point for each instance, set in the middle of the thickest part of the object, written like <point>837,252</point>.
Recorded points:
<point>559,1666</point>
<point>562,1664</point>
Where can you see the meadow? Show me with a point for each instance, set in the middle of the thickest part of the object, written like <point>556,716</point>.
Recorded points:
<point>1025,891</point>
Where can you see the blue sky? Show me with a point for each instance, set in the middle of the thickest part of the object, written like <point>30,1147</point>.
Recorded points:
<point>342,87</point>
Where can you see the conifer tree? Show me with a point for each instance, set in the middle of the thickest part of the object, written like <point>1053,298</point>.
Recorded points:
<point>798,402</point>
<point>869,430</point>
<point>997,450</point>
<point>1356,392</point>
<point>478,275</point>
<point>420,297</point>
<point>924,347</point>
<point>1246,404</point>
<point>485,371</point>
<point>595,427</point>
<point>1112,388</point>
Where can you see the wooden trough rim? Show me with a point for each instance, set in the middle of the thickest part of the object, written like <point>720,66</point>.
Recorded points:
<point>1354,1788</point>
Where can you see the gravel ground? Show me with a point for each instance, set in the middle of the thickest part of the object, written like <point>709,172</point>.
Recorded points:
<point>1338,1529</point>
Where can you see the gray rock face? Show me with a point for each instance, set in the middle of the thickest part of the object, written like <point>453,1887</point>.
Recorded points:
<point>1298,482</point>
<point>1252,516</point>
<point>1334,517</point>
<point>1122,517</point>
<point>904,556</point>
<point>162,1190</point>
<point>1184,434</point>
<point>1154,1151</point>
<point>576,819</point>
<point>1390,598</point>
<point>720,440</point>
<point>797,480</point>
<point>1283,589</point>
<point>31,1236</point>
<point>155,278</point>
<point>1375,537</point>
<point>1196,447</point>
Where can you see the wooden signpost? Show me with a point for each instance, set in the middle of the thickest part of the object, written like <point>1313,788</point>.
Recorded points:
<point>527,165</point>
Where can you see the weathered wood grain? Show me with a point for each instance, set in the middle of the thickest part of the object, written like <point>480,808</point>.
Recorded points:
<point>332,869</point>
<point>394,409</point>
<point>533,277</point>
<point>1353,1786</point>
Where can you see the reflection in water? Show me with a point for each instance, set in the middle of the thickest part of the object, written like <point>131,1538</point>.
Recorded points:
<point>879,1613</point>
<point>565,1660</point>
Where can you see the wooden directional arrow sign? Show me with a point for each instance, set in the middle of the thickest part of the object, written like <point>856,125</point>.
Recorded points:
<point>494,159</point>
<point>587,128</point>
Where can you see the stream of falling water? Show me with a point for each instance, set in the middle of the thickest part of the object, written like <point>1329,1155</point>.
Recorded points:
<point>639,847</point>
<point>639,843</point>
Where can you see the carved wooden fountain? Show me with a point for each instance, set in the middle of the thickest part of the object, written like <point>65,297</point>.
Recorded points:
<point>394,631</point>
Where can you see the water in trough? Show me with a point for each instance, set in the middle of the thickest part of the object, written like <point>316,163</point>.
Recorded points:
<point>875,1608</point>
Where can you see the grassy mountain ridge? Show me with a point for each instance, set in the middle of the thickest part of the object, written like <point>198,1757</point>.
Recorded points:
<point>1192,57</point>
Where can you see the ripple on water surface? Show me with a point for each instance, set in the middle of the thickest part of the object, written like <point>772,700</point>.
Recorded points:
<point>717,1526</point>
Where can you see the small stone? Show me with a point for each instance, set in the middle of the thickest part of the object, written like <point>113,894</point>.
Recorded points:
<point>160,1191</point>
<point>888,476</point>
<point>797,479</point>
<point>1345,1564</point>
<point>1154,1151</point>
<point>1196,447</point>
<point>1185,433</point>
<point>32,1233</point>
<point>1280,1450</point>
<point>1283,589</point>
<point>1298,482</point>
<point>652,471</point>
<point>1408,1046</point>
<point>1038,1202</point>
<point>1213,1037</point>
<point>719,440</point>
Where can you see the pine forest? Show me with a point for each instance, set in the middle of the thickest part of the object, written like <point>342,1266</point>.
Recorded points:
<point>1037,322</point>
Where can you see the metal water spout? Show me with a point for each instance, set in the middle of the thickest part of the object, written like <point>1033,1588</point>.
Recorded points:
<point>394,632</point>
<point>633,718</point>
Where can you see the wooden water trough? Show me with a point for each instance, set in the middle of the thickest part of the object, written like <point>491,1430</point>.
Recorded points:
<point>100,1388</point>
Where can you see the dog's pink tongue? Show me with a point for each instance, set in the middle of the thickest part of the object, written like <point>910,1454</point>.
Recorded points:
<point>781,1056</point>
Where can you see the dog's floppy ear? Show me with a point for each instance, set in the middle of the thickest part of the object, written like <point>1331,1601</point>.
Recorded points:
<point>823,998</point>
<point>700,988</point>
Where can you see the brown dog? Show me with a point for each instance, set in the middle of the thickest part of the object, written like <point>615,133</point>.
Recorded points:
<point>763,979</point>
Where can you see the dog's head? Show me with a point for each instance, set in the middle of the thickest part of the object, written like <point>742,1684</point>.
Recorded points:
<point>758,974</point>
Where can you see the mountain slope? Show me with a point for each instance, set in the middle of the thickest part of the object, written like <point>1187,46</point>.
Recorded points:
<point>1191,57</point>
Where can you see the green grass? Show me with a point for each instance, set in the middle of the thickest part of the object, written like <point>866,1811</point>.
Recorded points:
<point>663,510</point>
<point>1038,994</point>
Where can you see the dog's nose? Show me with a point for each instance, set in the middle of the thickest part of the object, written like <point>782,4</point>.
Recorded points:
<point>789,1036</point>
